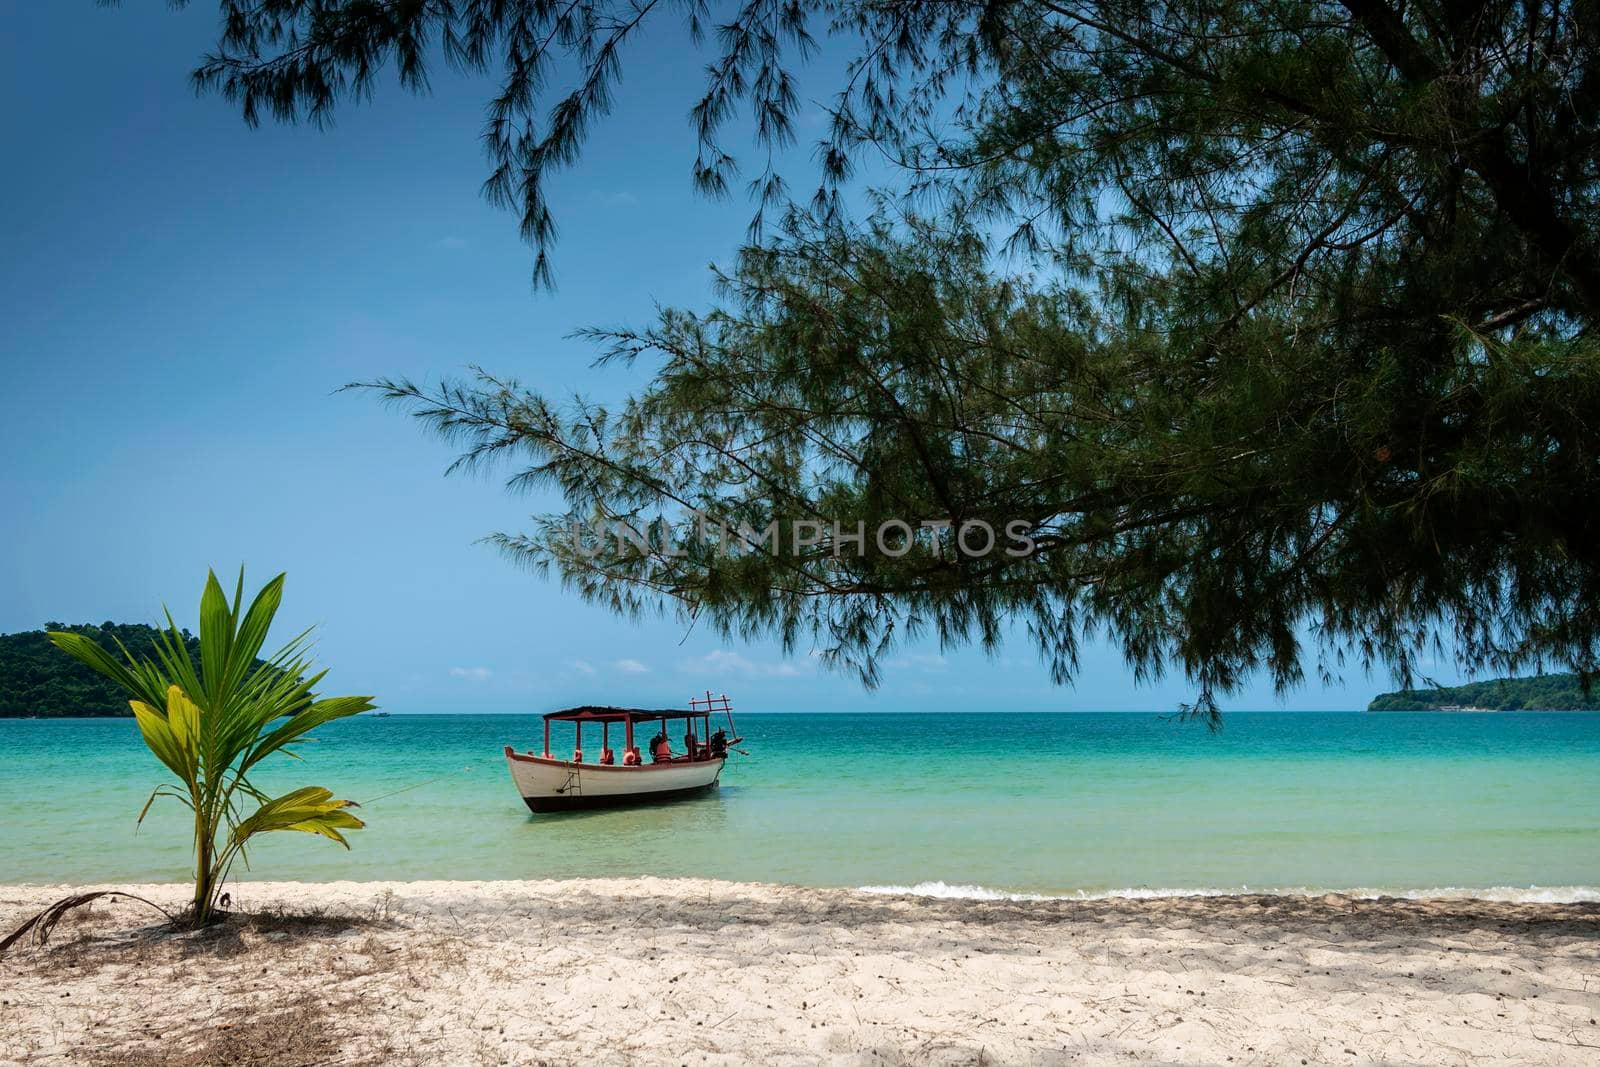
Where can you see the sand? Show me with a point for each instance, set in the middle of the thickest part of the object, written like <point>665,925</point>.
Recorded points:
<point>699,972</point>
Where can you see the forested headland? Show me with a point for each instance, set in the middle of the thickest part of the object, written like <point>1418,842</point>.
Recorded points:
<point>1546,692</point>
<point>36,678</point>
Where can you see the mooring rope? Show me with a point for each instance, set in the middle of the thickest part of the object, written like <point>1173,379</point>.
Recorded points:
<point>414,785</point>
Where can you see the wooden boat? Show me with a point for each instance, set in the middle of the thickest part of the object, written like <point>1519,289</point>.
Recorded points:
<point>548,783</point>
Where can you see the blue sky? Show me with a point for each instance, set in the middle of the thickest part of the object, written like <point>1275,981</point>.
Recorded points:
<point>183,296</point>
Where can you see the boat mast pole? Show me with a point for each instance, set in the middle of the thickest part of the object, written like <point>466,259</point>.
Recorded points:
<point>628,722</point>
<point>547,739</point>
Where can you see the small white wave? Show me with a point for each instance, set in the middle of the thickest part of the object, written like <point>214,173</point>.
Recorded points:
<point>1565,894</point>
<point>946,891</point>
<point>1533,894</point>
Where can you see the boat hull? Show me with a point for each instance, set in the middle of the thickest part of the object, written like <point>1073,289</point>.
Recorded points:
<point>550,785</point>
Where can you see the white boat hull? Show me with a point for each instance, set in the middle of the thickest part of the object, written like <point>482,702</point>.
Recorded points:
<point>561,785</point>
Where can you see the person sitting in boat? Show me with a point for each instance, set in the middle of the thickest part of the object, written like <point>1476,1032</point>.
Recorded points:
<point>660,747</point>
<point>690,745</point>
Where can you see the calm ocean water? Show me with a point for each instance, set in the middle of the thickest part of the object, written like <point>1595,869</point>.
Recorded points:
<point>1048,804</point>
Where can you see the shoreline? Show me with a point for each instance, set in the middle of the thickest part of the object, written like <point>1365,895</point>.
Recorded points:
<point>648,970</point>
<point>934,889</point>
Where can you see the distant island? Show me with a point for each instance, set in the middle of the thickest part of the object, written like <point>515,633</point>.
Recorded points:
<point>1547,692</point>
<point>38,679</point>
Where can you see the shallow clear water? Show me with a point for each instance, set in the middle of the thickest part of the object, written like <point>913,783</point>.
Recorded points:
<point>1053,804</point>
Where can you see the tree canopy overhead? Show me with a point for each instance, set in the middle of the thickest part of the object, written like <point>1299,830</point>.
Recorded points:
<point>1298,336</point>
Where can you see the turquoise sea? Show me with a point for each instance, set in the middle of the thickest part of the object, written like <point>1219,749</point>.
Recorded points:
<point>1494,804</point>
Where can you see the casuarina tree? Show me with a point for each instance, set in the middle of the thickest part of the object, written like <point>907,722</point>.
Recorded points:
<point>1271,322</point>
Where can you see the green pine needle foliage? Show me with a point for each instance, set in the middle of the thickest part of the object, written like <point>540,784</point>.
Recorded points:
<point>1274,319</point>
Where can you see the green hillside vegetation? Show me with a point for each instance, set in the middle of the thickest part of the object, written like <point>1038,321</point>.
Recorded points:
<point>1547,692</point>
<point>36,678</point>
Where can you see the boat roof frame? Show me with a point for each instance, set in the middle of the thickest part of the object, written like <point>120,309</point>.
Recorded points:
<point>594,713</point>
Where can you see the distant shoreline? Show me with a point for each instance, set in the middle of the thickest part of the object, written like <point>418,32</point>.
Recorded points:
<point>1544,692</point>
<point>1451,710</point>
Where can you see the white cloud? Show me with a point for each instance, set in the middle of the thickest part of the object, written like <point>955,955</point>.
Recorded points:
<point>583,666</point>
<point>725,662</point>
<point>623,199</point>
<point>472,674</point>
<point>631,666</point>
<point>927,663</point>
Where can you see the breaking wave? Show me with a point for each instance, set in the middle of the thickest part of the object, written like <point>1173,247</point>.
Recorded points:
<point>1561,894</point>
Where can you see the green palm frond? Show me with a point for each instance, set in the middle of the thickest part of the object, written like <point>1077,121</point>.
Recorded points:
<point>310,810</point>
<point>211,722</point>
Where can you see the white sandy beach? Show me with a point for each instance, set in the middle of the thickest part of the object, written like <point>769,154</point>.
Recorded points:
<point>701,972</point>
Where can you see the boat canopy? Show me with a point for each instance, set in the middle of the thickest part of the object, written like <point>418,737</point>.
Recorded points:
<point>699,747</point>
<point>593,713</point>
